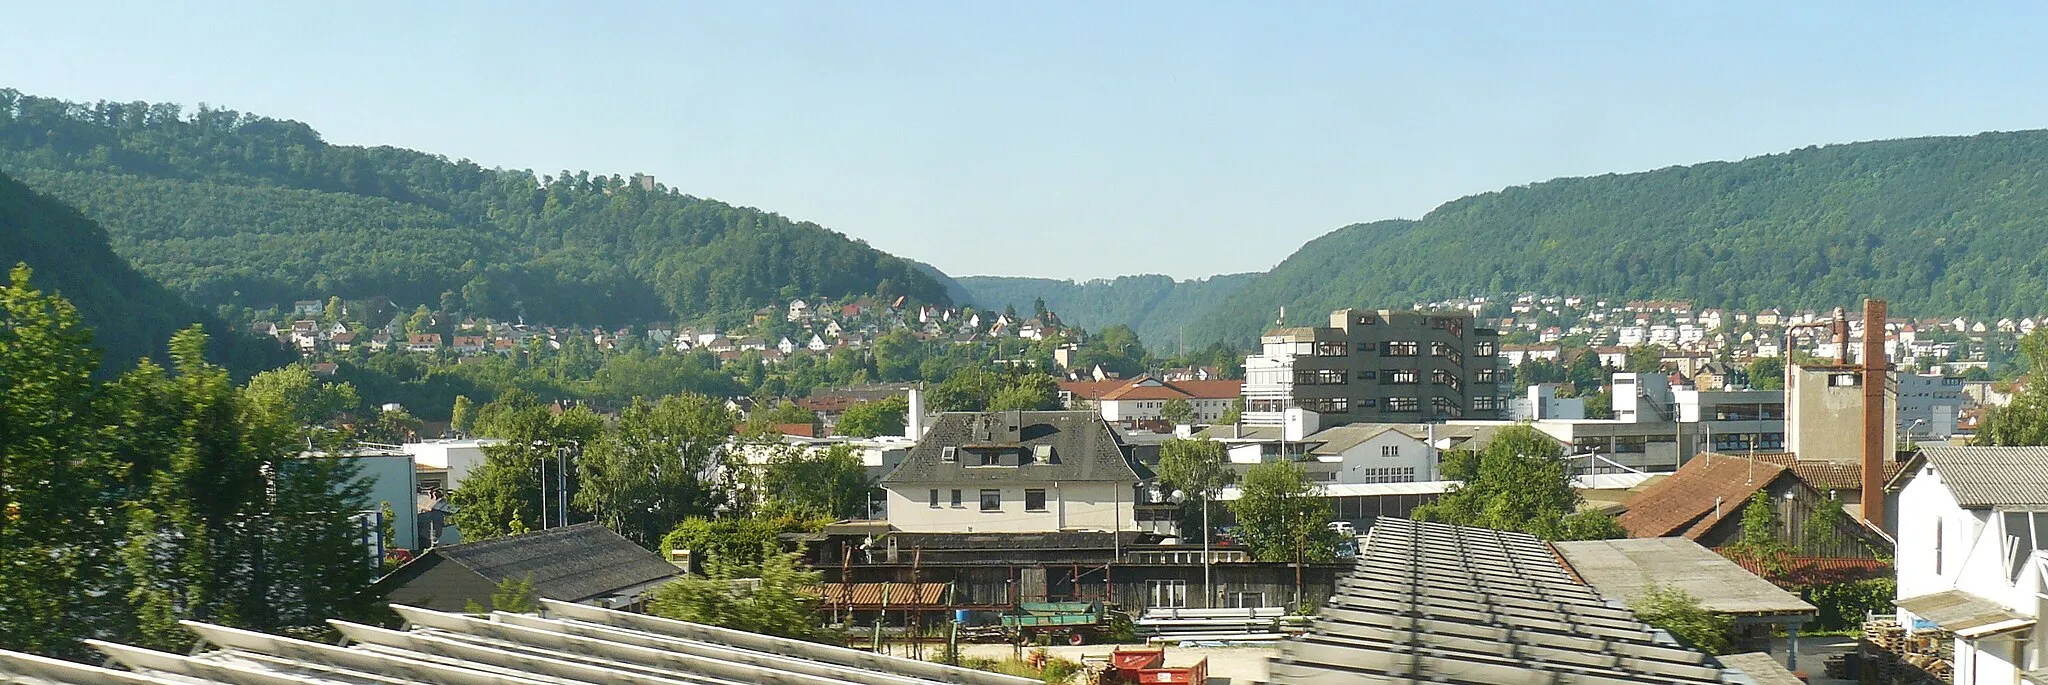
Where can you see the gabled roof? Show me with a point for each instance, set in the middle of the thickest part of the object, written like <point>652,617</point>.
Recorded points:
<point>1991,476</point>
<point>1684,504</point>
<point>574,563</point>
<point>1083,448</point>
<point>1825,475</point>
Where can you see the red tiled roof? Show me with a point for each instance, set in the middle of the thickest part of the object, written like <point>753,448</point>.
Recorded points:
<point>878,595</point>
<point>1683,503</point>
<point>1826,475</point>
<point>1091,390</point>
<point>1147,388</point>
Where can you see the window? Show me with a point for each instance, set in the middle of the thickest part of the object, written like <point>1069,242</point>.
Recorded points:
<point>935,498</point>
<point>1365,347</point>
<point>1331,349</point>
<point>990,458</point>
<point>1388,474</point>
<point>1244,600</point>
<point>1485,404</point>
<point>991,500</point>
<point>1403,404</point>
<point>1386,451</point>
<point>1368,375</point>
<point>1483,348</point>
<point>1404,377</point>
<point>1437,349</point>
<point>1938,526</point>
<point>1331,377</point>
<point>1442,377</point>
<point>1168,594</point>
<point>1446,408</point>
<point>956,499</point>
<point>2025,531</point>
<point>1483,376</point>
<point>949,454</point>
<point>1400,348</point>
<point>1325,405</point>
<point>1368,319</point>
<point>1034,500</point>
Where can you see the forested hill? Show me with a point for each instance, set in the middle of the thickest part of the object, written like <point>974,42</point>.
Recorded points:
<point>1157,307</point>
<point>1938,226</point>
<point>238,209</point>
<point>131,315</point>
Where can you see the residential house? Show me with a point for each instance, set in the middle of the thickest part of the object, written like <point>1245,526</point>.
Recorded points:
<point>470,344</point>
<point>817,344</point>
<point>1972,529</point>
<point>1770,317</point>
<point>1034,471</point>
<point>785,346</point>
<point>264,328</point>
<point>799,310</point>
<point>308,308</point>
<point>721,345</point>
<point>422,342</point>
<point>584,564</point>
<point>380,341</point>
<point>343,341</point>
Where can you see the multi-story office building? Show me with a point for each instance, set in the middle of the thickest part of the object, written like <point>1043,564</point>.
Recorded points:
<point>1377,366</point>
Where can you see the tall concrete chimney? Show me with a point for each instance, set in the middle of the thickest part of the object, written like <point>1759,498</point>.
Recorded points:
<point>1876,371</point>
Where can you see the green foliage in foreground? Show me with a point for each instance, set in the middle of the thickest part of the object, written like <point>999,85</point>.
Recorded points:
<point>1680,614</point>
<point>775,596</point>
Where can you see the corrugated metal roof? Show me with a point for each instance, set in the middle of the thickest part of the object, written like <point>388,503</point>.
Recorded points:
<point>875,595</point>
<point>1992,476</point>
<point>1433,603</point>
<point>1763,669</point>
<point>1957,611</point>
<point>1624,569</point>
<point>567,643</point>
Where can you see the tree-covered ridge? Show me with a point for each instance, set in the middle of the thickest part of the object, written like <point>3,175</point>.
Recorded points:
<point>132,315</point>
<point>1155,306</point>
<point>239,209</point>
<point>1938,226</point>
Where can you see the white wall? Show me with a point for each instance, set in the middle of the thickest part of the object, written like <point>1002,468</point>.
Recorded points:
<point>1971,556</point>
<point>1408,453</point>
<point>1069,506</point>
<point>459,457</point>
<point>391,479</point>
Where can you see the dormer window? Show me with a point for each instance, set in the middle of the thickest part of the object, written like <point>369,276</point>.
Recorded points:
<point>949,454</point>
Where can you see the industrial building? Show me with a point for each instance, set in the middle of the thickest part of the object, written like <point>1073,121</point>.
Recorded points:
<point>1377,366</point>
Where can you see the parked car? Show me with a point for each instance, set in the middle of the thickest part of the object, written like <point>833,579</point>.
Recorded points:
<point>1344,528</point>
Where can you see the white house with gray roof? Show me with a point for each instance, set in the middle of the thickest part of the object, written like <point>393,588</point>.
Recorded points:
<point>1972,527</point>
<point>1015,472</point>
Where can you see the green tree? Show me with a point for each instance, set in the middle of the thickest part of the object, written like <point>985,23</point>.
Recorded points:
<point>776,597</point>
<point>869,419</point>
<point>233,526</point>
<point>1645,359</point>
<point>462,416</point>
<point>1027,392</point>
<point>1679,613</point>
<point>58,491</point>
<point>1197,469</point>
<point>421,321</point>
<point>514,595</point>
<point>649,471</point>
<point>522,476</point>
<point>1281,515</point>
<point>1519,482</point>
<point>311,402</point>
<point>1586,373</point>
<point>897,356</point>
<point>1763,534</point>
<point>1177,411</point>
<point>393,427</point>
<point>736,540</point>
<point>804,483</point>
<point>335,311</point>
<point>1767,373</point>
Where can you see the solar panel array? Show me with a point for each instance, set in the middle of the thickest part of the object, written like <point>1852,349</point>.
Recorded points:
<point>1433,603</point>
<point>568,644</point>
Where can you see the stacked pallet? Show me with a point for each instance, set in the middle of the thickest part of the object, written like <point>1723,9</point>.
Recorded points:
<point>1212,625</point>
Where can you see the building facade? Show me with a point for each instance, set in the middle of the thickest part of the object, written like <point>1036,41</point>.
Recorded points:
<point>1015,472</point>
<point>1378,366</point>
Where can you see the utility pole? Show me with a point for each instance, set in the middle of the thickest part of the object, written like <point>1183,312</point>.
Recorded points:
<point>1208,588</point>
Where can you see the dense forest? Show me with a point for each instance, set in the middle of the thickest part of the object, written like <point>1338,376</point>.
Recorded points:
<point>1939,226</point>
<point>242,210</point>
<point>133,316</point>
<point>1157,307</point>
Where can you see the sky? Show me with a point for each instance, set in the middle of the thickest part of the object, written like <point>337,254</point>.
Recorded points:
<point>1066,139</point>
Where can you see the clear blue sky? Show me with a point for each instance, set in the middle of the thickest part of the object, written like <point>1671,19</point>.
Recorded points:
<point>1073,140</point>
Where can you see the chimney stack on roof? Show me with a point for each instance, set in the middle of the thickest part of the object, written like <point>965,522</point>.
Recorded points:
<point>1876,372</point>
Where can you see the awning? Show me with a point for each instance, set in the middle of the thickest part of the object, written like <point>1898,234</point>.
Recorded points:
<point>1967,615</point>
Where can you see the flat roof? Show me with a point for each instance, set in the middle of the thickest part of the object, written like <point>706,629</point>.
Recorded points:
<point>1623,569</point>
